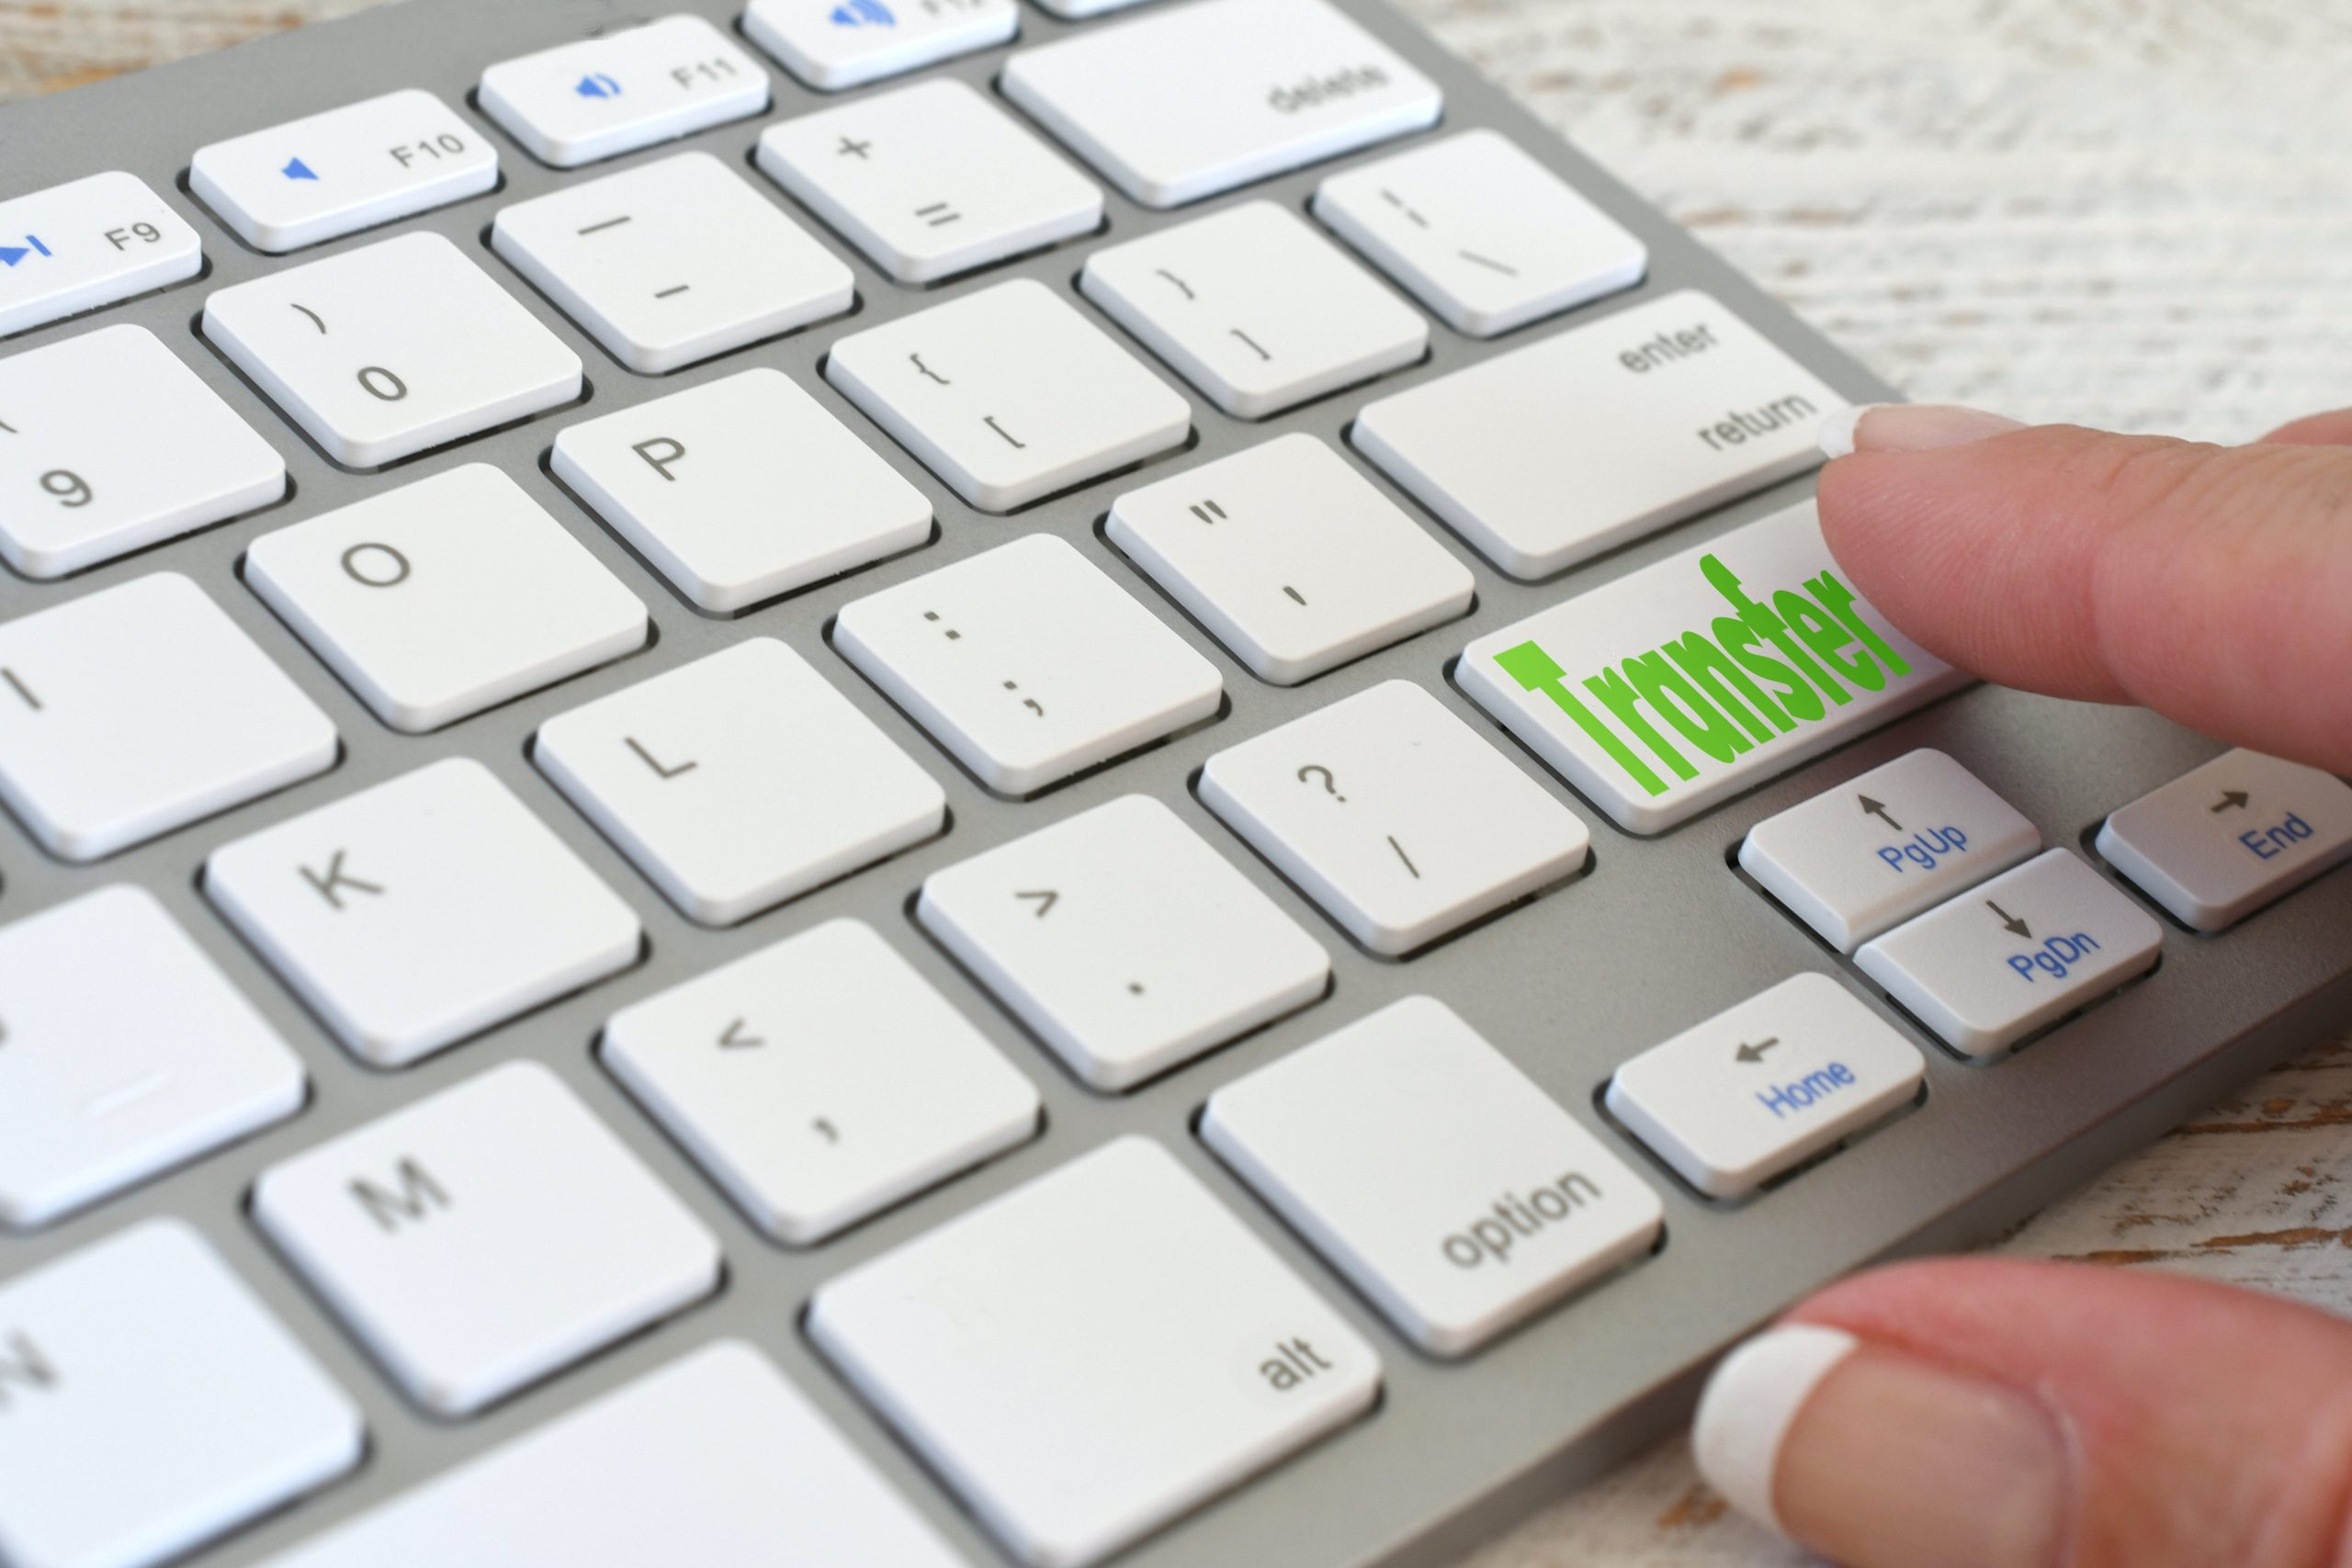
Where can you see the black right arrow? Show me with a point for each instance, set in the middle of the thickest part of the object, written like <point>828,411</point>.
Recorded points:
<point>1047,898</point>
<point>1878,809</point>
<point>2016,925</point>
<point>2229,798</point>
<point>1755,1053</point>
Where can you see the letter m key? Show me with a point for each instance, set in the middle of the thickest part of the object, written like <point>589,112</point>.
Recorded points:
<point>417,1196</point>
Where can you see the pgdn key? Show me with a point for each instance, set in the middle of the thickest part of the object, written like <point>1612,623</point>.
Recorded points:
<point>2016,954</point>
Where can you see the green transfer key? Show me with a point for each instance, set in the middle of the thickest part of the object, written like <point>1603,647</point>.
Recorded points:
<point>1684,683</point>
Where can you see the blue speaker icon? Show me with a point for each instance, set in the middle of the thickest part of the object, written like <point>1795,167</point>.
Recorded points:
<point>863,14</point>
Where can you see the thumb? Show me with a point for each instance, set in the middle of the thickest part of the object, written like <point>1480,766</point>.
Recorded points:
<point>2213,584</point>
<point>1994,1414</point>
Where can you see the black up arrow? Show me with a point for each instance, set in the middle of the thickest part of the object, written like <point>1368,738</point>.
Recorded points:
<point>2229,798</point>
<point>736,1040</point>
<point>1878,809</point>
<point>1755,1053</point>
<point>1047,898</point>
<point>2015,925</point>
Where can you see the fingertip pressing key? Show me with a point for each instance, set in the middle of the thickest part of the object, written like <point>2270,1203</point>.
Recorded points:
<point>1909,427</point>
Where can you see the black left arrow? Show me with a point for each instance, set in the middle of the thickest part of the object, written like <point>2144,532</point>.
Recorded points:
<point>1755,1053</point>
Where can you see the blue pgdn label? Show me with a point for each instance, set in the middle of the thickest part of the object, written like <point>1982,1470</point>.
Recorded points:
<point>2057,957</point>
<point>1925,849</point>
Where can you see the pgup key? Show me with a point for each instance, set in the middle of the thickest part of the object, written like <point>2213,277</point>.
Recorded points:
<point>1861,859</point>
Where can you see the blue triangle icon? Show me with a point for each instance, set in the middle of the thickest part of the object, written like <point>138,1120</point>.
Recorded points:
<point>12,254</point>
<point>297,170</point>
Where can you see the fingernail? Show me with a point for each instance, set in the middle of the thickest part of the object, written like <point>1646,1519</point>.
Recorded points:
<point>1878,1459</point>
<point>1909,427</point>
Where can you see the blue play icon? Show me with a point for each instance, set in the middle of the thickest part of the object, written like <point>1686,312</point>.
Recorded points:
<point>295,169</point>
<point>12,254</point>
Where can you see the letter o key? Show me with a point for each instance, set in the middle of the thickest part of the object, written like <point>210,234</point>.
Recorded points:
<point>389,569</point>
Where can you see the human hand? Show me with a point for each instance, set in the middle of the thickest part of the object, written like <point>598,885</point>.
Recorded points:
<point>1985,1413</point>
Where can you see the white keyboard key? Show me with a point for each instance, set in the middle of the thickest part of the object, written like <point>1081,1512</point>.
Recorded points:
<point>930,180</point>
<point>1574,445</point>
<point>2226,839</point>
<point>1434,1174</point>
<point>1028,664</point>
<point>1078,1397</point>
<point>110,444</point>
<point>2017,953</point>
<point>819,1080</point>
<point>1008,394</point>
<point>445,597</point>
<point>832,44</point>
<point>348,169</point>
<point>1254,307</point>
<point>422,910</point>
<point>485,1236</point>
<point>1761,1087</point>
<point>149,1403</point>
<point>742,490</point>
<point>714,1459</point>
<point>623,90</point>
<point>672,261</point>
<point>1123,940</point>
<point>1077,10</point>
<point>1679,685</point>
<point>1396,816</point>
<point>1481,232</point>
<point>1292,558</point>
<point>141,708</point>
<point>85,243</point>
<point>1196,99</point>
<point>126,1053</point>
<point>1880,847</point>
<point>390,350</point>
<point>739,781</point>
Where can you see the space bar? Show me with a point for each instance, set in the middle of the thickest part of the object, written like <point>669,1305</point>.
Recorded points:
<point>714,1459</point>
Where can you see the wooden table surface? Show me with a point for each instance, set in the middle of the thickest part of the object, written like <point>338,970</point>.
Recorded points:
<point>2128,212</point>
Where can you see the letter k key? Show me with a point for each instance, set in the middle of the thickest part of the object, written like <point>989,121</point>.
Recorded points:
<point>334,879</point>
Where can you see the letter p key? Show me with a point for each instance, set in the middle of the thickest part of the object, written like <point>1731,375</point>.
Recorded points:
<point>659,453</point>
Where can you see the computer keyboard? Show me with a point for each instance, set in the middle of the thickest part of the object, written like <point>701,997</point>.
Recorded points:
<point>920,782</point>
